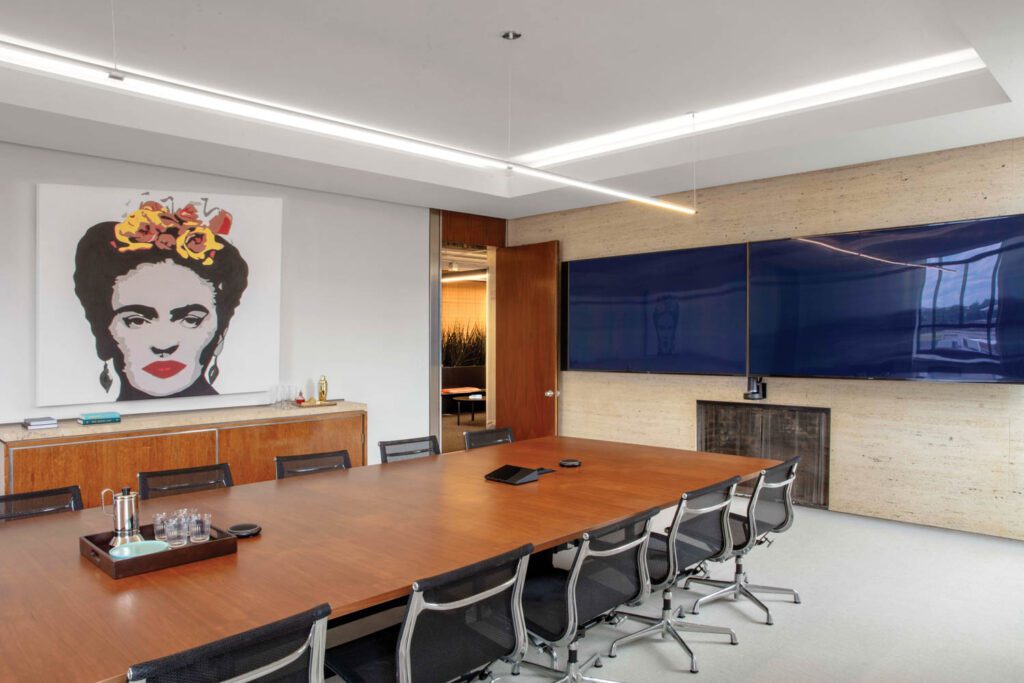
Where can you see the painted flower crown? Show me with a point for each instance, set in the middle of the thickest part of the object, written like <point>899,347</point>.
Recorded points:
<point>155,226</point>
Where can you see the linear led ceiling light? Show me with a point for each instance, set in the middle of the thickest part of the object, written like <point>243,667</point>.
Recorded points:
<point>84,71</point>
<point>828,92</point>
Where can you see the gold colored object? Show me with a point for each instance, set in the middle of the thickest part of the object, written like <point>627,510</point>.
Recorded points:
<point>321,396</point>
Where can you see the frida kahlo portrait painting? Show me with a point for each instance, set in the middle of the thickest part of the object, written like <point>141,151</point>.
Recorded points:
<point>162,286</point>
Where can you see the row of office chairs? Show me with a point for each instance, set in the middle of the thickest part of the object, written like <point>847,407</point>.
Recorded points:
<point>156,484</point>
<point>191,479</point>
<point>492,609</point>
<point>705,530</point>
<point>421,447</point>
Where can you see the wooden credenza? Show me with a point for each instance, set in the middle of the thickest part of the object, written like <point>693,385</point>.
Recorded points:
<point>110,456</point>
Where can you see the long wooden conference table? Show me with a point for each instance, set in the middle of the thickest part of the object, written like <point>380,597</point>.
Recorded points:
<point>354,539</point>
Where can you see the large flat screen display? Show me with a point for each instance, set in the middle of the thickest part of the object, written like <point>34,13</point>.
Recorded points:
<point>934,302</point>
<point>674,312</point>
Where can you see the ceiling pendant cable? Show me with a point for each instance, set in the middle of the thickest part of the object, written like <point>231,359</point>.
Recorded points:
<point>115,72</point>
<point>508,99</point>
<point>693,159</point>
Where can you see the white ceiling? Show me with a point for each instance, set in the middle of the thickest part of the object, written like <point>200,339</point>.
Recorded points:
<point>438,71</point>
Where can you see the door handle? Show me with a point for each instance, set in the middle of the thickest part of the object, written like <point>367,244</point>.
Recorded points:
<point>551,393</point>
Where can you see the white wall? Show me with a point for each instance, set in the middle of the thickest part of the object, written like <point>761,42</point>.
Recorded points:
<point>354,291</point>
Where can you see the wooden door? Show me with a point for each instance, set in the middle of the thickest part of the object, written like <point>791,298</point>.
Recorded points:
<point>525,391</point>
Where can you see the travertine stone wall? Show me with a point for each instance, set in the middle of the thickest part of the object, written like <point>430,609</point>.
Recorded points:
<point>950,455</point>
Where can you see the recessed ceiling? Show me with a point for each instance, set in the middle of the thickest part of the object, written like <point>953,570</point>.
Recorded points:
<point>440,71</point>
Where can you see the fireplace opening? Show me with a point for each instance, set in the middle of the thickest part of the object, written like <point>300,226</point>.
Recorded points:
<point>775,432</point>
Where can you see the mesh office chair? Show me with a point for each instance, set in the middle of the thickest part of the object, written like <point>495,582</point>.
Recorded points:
<point>487,437</point>
<point>35,503</point>
<point>456,625</point>
<point>408,449</point>
<point>298,465</point>
<point>287,651</point>
<point>770,511</point>
<point>609,570</point>
<point>699,532</point>
<point>187,480</point>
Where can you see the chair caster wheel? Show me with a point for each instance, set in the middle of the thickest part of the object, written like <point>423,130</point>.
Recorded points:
<point>693,671</point>
<point>611,656</point>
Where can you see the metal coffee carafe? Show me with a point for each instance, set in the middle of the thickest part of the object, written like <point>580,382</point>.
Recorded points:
<point>125,510</point>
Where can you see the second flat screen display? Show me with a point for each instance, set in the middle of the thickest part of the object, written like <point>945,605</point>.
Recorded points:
<point>940,302</point>
<point>674,312</point>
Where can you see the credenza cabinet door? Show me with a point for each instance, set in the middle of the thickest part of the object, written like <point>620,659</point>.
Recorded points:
<point>251,449</point>
<point>111,462</point>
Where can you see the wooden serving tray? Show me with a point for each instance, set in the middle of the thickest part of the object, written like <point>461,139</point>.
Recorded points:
<point>95,548</point>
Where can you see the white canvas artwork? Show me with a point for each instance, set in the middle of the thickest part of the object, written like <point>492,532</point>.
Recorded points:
<point>146,294</point>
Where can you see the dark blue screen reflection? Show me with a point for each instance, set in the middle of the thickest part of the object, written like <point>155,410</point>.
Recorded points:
<point>676,311</point>
<point>941,302</point>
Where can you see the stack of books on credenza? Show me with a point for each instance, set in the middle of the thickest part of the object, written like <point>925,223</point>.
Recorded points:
<point>39,423</point>
<point>99,418</point>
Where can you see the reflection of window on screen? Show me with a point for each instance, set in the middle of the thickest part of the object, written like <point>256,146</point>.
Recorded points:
<point>959,304</point>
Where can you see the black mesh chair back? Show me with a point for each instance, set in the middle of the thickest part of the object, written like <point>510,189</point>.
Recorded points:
<point>187,480</point>
<point>460,622</point>
<point>35,503</point>
<point>408,449</point>
<point>771,505</point>
<point>287,651</point>
<point>455,625</point>
<point>700,531</point>
<point>298,465</point>
<point>487,437</point>
<point>609,570</point>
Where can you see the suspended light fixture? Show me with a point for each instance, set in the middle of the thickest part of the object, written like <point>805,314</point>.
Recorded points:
<point>52,63</point>
<point>851,87</point>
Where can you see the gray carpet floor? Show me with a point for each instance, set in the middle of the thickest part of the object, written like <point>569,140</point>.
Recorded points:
<point>882,601</point>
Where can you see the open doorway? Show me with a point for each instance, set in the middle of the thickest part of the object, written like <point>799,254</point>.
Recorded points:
<point>464,334</point>
<point>494,331</point>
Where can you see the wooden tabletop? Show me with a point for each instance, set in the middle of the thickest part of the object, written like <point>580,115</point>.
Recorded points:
<point>351,538</point>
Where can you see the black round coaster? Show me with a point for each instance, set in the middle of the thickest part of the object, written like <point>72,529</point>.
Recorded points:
<point>245,529</point>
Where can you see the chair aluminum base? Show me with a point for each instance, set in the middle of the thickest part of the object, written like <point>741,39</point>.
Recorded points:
<point>573,669</point>
<point>738,587</point>
<point>669,626</point>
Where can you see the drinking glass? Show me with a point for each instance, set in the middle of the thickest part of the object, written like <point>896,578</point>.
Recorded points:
<point>159,529</point>
<point>177,531</point>
<point>199,528</point>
